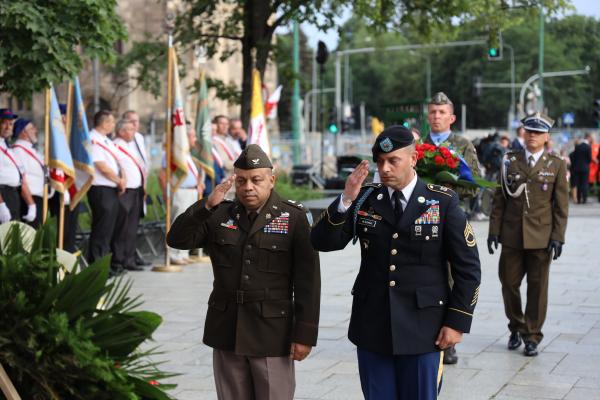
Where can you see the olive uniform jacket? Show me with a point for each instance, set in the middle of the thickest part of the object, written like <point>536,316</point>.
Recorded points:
<point>466,149</point>
<point>401,294</point>
<point>523,226</point>
<point>267,283</point>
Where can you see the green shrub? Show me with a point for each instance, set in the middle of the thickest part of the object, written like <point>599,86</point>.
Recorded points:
<point>75,338</point>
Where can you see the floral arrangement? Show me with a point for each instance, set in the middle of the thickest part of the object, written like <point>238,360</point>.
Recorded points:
<point>437,164</point>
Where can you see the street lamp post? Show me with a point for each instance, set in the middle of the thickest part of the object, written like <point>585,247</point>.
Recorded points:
<point>512,112</point>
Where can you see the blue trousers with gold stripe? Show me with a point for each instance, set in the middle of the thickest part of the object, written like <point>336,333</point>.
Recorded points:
<point>400,377</point>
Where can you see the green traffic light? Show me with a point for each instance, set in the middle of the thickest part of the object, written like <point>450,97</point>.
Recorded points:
<point>493,52</point>
<point>333,128</point>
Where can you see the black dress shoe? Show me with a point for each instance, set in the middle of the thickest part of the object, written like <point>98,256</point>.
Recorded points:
<point>134,268</point>
<point>141,262</point>
<point>450,356</point>
<point>514,341</point>
<point>531,349</point>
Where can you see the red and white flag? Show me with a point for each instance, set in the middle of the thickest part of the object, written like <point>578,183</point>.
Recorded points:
<point>271,105</point>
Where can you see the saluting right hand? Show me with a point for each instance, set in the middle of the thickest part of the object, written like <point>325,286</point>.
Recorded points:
<point>355,180</point>
<point>218,194</point>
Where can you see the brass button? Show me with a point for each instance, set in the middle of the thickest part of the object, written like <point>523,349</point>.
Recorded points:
<point>246,277</point>
<point>274,246</point>
<point>394,252</point>
<point>441,302</point>
<point>392,267</point>
<point>248,246</point>
<point>392,283</point>
<point>426,237</point>
<point>247,261</point>
<point>365,229</point>
<point>395,236</point>
<point>282,312</point>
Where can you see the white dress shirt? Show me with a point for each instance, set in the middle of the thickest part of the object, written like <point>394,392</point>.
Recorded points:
<point>9,174</point>
<point>103,149</point>
<point>131,163</point>
<point>33,165</point>
<point>536,156</point>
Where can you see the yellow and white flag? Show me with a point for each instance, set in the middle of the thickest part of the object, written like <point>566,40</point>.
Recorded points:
<point>257,133</point>
<point>180,150</point>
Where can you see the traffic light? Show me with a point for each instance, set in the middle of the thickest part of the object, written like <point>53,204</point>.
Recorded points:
<point>332,126</point>
<point>597,111</point>
<point>494,49</point>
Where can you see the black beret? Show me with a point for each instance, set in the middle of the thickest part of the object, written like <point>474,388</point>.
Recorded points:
<point>391,139</point>
<point>253,157</point>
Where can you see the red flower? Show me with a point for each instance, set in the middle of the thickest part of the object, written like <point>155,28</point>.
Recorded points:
<point>154,383</point>
<point>420,154</point>
<point>445,152</point>
<point>439,160</point>
<point>451,162</point>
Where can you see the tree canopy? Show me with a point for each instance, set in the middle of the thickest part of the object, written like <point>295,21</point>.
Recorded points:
<point>44,42</point>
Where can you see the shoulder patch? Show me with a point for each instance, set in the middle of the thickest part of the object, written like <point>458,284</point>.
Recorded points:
<point>296,204</point>
<point>554,154</point>
<point>440,189</point>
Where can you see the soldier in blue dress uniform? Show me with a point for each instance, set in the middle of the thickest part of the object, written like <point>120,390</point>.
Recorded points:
<point>404,313</point>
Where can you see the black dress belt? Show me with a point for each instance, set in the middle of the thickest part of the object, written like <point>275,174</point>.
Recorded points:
<point>248,296</point>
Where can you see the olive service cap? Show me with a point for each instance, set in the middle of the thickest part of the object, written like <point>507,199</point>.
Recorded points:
<point>440,99</point>
<point>19,125</point>
<point>393,138</point>
<point>253,157</point>
<point>537,122</point>
<point>6,113</point>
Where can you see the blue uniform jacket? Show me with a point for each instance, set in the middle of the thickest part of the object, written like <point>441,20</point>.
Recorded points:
<point>401,294</point>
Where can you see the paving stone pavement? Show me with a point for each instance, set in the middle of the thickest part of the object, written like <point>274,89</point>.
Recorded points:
<point>565,369</point>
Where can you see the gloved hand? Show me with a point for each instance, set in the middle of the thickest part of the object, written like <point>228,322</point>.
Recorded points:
<point>4,213</point>
<point>31,213</point>
<point>492,239</point>
<point>555,246</point>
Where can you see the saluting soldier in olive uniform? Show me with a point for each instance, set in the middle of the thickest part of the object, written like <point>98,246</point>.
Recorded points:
<point>404,312</point>
<point>529,218</point>
<point>263,312</point>
<point>440,115</point>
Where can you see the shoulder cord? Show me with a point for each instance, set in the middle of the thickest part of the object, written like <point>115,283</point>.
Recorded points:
<point>359,204</point>
<point>519,190</point>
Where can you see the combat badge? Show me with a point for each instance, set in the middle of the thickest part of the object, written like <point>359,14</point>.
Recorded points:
<point>470,235</point>
<point>229,224</point>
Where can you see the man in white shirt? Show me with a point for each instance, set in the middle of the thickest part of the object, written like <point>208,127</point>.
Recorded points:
<point>109,182</point>
<point>13,181</point>
<point>188,192</point>
<point>26,135</point>
<point>140,148</point>
<point>124,239</point>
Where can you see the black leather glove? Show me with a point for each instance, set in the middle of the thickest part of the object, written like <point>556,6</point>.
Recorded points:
<point>555,246</point>
<point>492,240</point>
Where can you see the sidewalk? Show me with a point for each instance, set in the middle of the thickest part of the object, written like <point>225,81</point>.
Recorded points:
<point>565,369</point>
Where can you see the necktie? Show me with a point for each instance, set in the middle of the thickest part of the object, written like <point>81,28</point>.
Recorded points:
<point>531,161</point>
<point>252,217</point>
<point>398,196</point>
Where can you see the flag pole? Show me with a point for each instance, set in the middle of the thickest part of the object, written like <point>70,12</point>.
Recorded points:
<point>168,152</point>
<point>61,212</point>
<point>46,155</point>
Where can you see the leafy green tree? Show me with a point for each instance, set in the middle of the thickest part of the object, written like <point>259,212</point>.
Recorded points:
<point>42,42</point>
<point>249,25</point>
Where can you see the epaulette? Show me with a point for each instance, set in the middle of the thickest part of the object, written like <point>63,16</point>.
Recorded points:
<point>294,203</point>
<point>440,189</point>
<point>554,154</point>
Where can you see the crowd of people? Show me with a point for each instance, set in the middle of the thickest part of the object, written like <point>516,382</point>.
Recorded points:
<point>116,197</point>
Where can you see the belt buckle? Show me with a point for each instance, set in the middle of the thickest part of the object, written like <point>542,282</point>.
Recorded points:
<point>239,296</point>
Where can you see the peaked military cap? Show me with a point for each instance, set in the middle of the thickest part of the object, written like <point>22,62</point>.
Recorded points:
<point>253,157</point>
<point>6,113</point>
<point>393,138</point>
<point>440,99</point>
<point>537,122</point>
